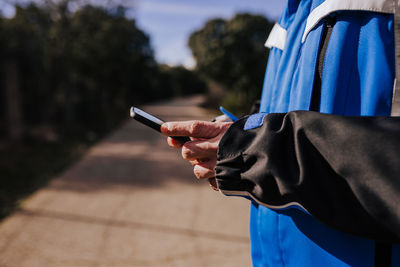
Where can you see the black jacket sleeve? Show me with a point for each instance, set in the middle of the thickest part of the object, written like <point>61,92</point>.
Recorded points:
<point>344,171</point>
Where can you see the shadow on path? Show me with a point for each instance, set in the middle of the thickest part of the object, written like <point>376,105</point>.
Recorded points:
<point>133,225</point>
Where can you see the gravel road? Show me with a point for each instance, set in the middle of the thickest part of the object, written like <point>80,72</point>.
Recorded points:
<point>130,201</point>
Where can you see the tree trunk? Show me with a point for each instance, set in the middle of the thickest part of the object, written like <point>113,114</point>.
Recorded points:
<point>12,100</point>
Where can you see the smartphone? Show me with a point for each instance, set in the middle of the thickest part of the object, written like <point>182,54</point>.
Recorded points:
<point>153,122</point>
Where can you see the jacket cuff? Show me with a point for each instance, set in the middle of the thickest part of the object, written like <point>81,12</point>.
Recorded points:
<point>230,162</point>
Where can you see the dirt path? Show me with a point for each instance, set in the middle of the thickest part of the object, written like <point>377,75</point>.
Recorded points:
<point>131,201</point>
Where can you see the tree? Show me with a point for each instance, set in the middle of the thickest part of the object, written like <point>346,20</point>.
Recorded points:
<point>79,71</point>
<point>111,59</point>
<point>181,81</point>
<point>21,53</point>
<point>231,52</point>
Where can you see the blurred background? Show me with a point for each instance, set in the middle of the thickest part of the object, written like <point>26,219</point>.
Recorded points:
<point>70,70</point>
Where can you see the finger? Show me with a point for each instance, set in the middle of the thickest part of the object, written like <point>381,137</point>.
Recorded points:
<point>213,183</point>
<point>222,118</point>
<point>204,170</point>
<point>172,142</point>
<point>196,129</point>
<point>198,161</point>
<point>199,150</point>
<point>203,173</point>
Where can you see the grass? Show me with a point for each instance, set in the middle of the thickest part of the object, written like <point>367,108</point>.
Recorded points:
<point>29,165</point>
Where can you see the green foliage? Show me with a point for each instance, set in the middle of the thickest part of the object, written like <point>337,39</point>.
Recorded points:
<point>231,52</point>
<point>181,81</point>
<point>80,71</point>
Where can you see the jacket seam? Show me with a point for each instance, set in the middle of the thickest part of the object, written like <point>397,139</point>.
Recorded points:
<point>308,30</point>
<point>273,207</point>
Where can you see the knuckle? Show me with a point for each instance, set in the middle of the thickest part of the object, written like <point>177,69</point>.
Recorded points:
<point>202,173</point>
<point>197,172</point>
<point>226,125</point>
<point>186,153</point>
<point>195,127</point>
<point>169,141</point>
<point>209,147</point>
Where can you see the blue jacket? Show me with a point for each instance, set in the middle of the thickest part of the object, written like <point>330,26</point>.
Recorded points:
<point>354,62</point>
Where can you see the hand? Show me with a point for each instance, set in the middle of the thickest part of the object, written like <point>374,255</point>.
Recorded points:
<point>202,150</point>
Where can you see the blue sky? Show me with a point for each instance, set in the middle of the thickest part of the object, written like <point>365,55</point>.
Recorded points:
<point>170,22</point>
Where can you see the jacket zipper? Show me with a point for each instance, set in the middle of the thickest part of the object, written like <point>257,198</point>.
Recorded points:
<point>383,251</point>
<point>326,35</point>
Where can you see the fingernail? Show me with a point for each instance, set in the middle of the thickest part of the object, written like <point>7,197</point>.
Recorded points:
<point>165,127</point>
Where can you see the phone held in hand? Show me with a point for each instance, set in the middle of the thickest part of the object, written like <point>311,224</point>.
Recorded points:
<point>153,122</point>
